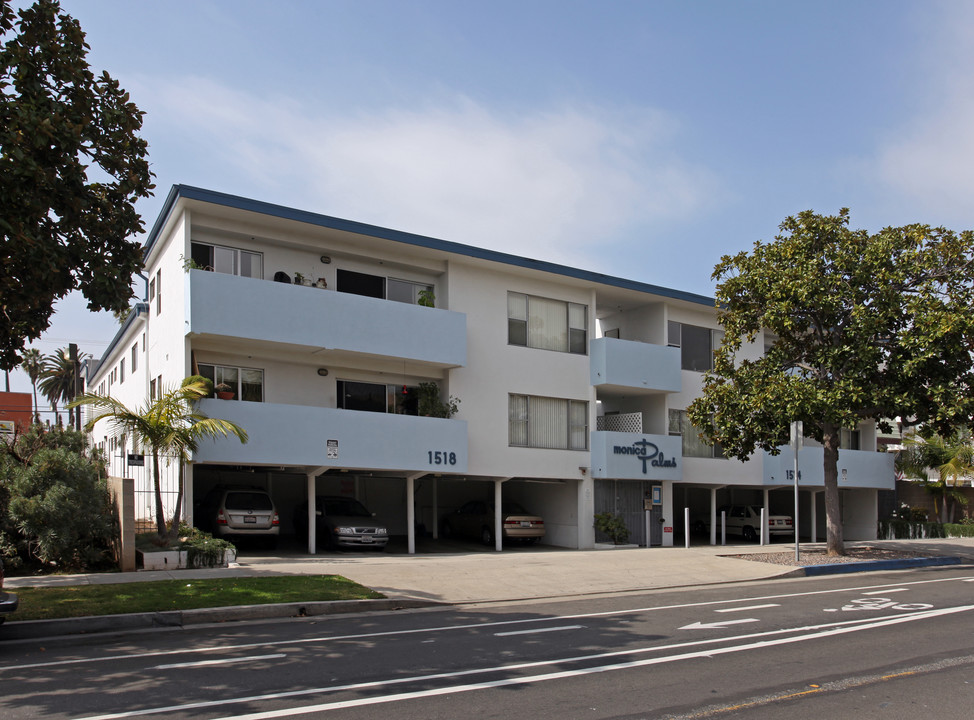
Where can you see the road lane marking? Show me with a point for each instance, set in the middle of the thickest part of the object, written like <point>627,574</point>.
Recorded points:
<point>843,625</point>
<point>720,624</point>
<point>445,628</point>
<point>883,592</point>
<point>508,682</point>
<point>538,630</point>
<point>748,608</point>
<point>222,661</point>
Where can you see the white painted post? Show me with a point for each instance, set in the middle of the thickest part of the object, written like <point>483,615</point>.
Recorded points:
<point>713,516</point>
<point>411,514</point>
<point>686,526</point>
<point>763,525</point>
<point>723,527</point>
<point>312,525</point>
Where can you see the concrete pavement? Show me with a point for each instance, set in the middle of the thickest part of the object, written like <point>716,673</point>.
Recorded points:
<point>476,576</point>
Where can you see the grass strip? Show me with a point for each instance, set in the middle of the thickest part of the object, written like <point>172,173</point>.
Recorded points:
<point>48,603</point>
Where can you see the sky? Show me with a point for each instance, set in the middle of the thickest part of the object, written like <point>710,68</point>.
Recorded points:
<point>642,139</point>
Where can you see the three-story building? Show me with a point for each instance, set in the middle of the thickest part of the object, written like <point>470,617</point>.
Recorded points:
<point>341,343</point>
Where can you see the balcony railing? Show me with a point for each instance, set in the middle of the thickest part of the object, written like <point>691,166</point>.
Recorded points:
<point>630,366</point>
<point>300,435</point>
<point>260,310</point>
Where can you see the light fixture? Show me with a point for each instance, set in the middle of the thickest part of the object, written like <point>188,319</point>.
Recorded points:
<point>323,372</point>
<point>326,260</point>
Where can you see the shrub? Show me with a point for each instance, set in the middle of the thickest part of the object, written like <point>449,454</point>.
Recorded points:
<point>908,530</point>
<point>613,526</point>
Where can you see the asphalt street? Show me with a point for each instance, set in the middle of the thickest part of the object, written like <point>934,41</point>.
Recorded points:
<point>795,646</point>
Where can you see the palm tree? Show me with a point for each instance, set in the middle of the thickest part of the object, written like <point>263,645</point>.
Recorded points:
<point>171,425</point>
<point>952,459</point>
<point>58,379</point>
<point>33,364</point>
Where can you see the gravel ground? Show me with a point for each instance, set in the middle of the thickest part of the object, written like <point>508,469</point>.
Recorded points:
<point>817,556</point>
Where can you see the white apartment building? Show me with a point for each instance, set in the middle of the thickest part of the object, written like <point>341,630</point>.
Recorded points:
<point>572,384</point>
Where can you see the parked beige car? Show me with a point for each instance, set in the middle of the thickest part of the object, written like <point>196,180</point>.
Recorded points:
<point>475,519</point>
<point>745,520</point>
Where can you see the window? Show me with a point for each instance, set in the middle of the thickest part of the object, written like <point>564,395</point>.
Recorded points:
<point>152,389</point>
<point>152,290</point>
<point>158,292</point>
<point>135,357</point>
<point>693,444</point>
<point>377,286</point>
<point>547,324</point>
<point>228,260</point>
<point>697,345</point>
<point>378,397</point>
<point>405,291</point>
<point>848,439</point>
<point>121,371</point>
<point>246,383</point>
<point>543,422</point>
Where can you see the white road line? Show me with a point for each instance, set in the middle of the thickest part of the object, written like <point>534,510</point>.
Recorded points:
<point>748,608</point>
<point>719,625</point>
<point>471,626</point>
<point>223,661</point>
<point>508,682</point>
<point>845,624</point>
<point>539,630</point>
<point>883,592</point>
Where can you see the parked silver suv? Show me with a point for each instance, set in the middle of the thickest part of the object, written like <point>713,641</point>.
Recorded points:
<point>239,512</point>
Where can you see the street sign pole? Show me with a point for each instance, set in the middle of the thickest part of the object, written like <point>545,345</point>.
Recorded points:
<point>797,437</point>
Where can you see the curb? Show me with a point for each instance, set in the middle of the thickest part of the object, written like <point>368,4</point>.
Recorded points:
<point>31,629</point>
<point>868,565</point>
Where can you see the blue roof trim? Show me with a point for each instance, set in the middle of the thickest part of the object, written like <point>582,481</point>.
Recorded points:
<point>140,308</point>
<point>286,213</point>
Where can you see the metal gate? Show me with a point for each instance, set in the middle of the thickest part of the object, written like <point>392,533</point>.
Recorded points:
<point>626,499</point>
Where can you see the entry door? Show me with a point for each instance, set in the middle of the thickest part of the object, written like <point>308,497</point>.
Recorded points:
<point>655,526</point>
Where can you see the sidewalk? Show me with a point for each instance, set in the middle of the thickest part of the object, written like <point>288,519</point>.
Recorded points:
<point>518,574</point>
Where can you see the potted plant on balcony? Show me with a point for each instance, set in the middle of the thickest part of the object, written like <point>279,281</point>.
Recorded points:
<point>430,404</point>
<point>224,391</point>
<point>300,279</point>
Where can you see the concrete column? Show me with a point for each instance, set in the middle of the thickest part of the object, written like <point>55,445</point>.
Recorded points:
<point>312,514</point>
<point>436,509</point>
<point>188,494</point>
<point>498,515</point>
<point>123,493</point>
<point>411,514</point>
<point>814,515</point>
<point>585,519</point>
<point>765,536</point>
<point>713,516</point>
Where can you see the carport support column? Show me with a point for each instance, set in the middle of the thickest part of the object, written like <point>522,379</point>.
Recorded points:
<point>436,508</point>
<point>713,516</point>
<point>499,513</point>
<point>813,515</point>
<point>312,490</point>
<point>765,535</point>
<point>411,512</point>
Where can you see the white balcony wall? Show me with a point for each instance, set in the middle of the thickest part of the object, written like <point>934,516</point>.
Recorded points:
<point>857,468</point>
<point>630,366</point>
<point>290,435</point>
<point>249,309</point>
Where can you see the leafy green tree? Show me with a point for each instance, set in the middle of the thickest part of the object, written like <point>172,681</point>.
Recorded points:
<point>950,457</point>
<point>72,166</point>
<point>33,364</point>
<point>54,501</point>
<point>171,426</point>
<point>863,326</point>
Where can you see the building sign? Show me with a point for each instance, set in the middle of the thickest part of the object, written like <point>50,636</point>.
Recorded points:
<point>135,459</point>
<point>647,452</point>
<point>332,449</point>
<point>7,427</point>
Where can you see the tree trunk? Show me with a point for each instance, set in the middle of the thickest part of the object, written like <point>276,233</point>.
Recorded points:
<point>157,482</point>
<point>833,512</point>
<point>177,513</point>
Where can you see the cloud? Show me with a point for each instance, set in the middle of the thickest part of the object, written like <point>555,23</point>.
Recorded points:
<point>552,184</point>
<point>927,163</point>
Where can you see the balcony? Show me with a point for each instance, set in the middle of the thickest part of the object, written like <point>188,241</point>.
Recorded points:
<point>635,456</point>
<point>630,367</point>
<point>271,312</point>
<point>292,435</point>
<point>857,468</point>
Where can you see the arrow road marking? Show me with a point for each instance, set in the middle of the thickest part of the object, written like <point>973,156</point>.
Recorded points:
<point>720,625</point>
